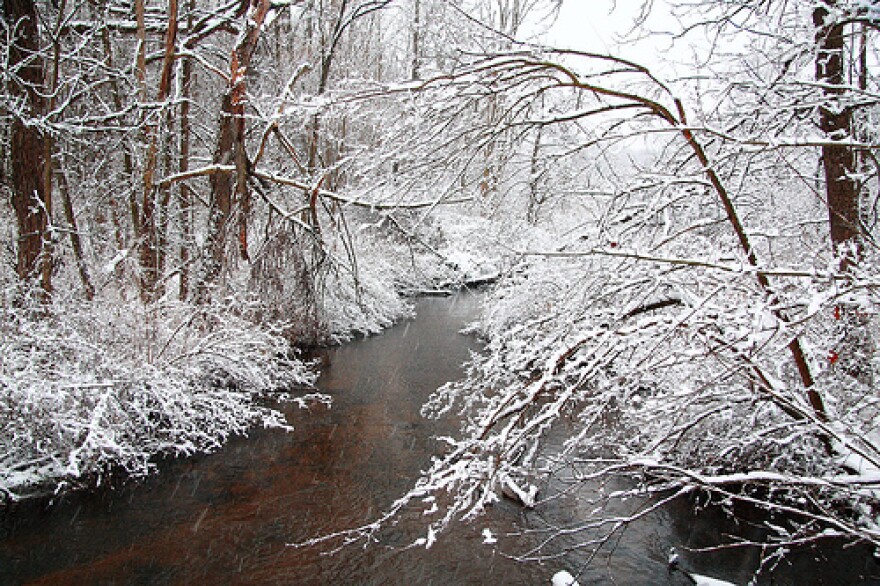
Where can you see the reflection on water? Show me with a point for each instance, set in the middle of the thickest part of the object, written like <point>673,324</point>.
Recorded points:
<point>229,517</point>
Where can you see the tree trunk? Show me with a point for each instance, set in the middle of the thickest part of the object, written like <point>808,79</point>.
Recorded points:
<point>535,196</point>
<point>221,201</point>
<point>416,41</point>
<point>48,142</point>
<point>185,195</point>
<point>127,163</point>
<point>147,228</point>
<point>75,240</point>
<point>841,165</point>
<point>835,120</point>
<point>231,150</point>
<point>328,52</point>
<point>163,225</point>
<point>28,158</point>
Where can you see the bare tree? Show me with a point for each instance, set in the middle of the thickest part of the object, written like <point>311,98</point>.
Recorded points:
<point>228,188</point>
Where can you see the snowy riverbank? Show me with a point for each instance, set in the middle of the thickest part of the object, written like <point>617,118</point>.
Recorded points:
<point>101,388</point>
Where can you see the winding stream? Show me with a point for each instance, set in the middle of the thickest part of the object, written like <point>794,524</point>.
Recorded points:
<point>228,517</point>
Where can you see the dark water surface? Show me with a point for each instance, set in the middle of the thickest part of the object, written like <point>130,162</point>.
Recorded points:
<point>229,517</point>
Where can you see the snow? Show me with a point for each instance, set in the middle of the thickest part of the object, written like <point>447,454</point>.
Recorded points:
<point>865,469</point>
<point>111,265</point>
<point>702,394</point>
<point>488,538</point>
<point>563,578</point>
<point>512,489</point>
<point>432,538</point>
<point>87,391</point>
<point>700,580</point>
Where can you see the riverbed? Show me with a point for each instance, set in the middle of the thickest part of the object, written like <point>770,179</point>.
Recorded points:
<point>231,517</point>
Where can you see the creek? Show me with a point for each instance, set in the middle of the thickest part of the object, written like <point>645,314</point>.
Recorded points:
<point>230,517</point>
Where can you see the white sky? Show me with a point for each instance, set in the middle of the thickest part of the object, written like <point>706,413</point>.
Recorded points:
<point>583,24</point>
<point>602,26</point>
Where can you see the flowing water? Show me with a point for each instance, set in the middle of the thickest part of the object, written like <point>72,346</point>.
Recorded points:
<point>230,517</point>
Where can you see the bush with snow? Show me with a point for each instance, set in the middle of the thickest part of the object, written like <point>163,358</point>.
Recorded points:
<point>603,362</point>
<point>88,389</point>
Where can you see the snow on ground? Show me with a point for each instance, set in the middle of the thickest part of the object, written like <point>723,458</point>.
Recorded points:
<point>93,389</point>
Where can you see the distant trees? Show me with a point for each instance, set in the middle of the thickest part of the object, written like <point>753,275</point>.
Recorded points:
<point>109,103</point>
<point>833,36</point>
<point>206,149</point>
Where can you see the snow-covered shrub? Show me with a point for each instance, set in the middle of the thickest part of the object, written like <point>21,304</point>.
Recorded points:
<point>86,389</point>
<point>361,304</point>
<point>360,281</point>
<point>328,295</point>
<point>675,369</point>
<point>647,348</point>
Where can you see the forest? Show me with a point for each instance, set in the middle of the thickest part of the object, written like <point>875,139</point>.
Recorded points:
<point>681,243</point>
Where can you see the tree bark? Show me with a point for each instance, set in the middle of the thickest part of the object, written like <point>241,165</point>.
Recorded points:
<point>48,143</point>
<point>231,150</point>
<point>147,227</point>
<point>28,157</point>
<point>75,240</point>
<point>185,195</point>
<point>835,119</point>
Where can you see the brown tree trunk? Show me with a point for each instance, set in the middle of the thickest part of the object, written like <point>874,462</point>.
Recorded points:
<point>841,165</point>
<point>185,196</point>
<point>148,230</point>
<point>835,120</point>
<point>226,186</point>
<point>75,240</point>
<point>28,157</point>
<point>228,141</point>
<point>164,221</point>
<point>49,144</point>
